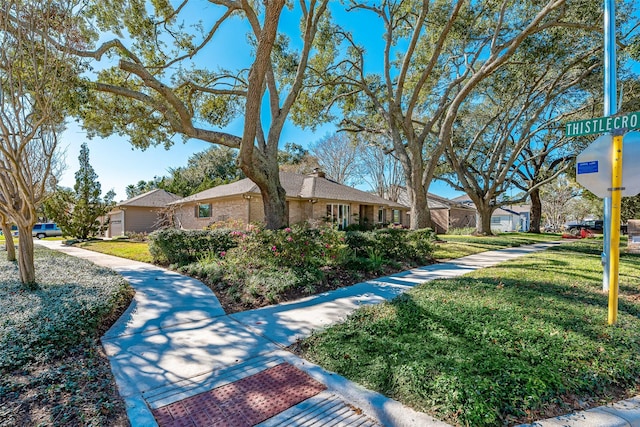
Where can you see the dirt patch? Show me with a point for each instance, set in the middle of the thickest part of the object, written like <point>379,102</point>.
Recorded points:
<point>77,389</point>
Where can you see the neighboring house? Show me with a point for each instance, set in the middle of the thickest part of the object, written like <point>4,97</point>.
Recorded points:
<point>524,212</point>
<point>309,197</point>
<point>139,214</point>
<point>507,218</point>
<point>445,214</point>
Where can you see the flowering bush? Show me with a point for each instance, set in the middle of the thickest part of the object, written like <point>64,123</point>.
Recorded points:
<point>262,264</point>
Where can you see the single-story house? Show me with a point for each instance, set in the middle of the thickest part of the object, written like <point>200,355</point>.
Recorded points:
<point>445,213</point>
<point>507,218</point>
<point>139,214</point>
<point>309,197</point>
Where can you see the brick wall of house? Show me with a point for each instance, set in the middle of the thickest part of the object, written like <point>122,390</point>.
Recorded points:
<point>461,218</point>
<point>319,211</point>
<point>440,220</point>
<point>252,211</point>
<point>256,209</point>
<point>299,211</point>
<point>221,210</point>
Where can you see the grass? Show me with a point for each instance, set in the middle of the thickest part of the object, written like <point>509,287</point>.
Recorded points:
<point>521,341</point>
<point>137,251</point>
<point>456,246</point>
<point>52,368</point>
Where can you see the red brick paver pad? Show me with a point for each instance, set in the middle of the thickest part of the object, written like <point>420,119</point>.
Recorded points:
<point>244,403</point>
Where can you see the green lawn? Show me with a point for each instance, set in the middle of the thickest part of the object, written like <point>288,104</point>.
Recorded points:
<point>52,367</point>
<point>456,246</point>
<point>137,251</point>
<point>503,345</point>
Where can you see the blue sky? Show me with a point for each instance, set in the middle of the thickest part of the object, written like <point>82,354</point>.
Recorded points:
<point>118,164</point>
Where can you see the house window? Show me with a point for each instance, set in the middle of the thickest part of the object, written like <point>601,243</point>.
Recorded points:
<point>380,215</point>
<point>203,210</point>
<point>396,216</point>
<point>339,214</point>
<point>496,220</point>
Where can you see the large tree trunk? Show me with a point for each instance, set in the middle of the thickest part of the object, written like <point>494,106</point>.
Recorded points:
<point>483,227</point>
<point>420,214</point>
<point>275,206</point>
<point>274,198</point>
<point>536,211</point>
<point>8,240</point>
<point>25,257</point>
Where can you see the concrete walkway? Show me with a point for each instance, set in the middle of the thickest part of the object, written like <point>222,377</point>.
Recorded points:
<point>175,344</point>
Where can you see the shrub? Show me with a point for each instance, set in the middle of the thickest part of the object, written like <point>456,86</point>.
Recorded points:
<point>392,244</point>
<point>297,246</point>
<point>360,242</point>
<point>181,247</point>
<point>138,237</point>
<point>423,240</point>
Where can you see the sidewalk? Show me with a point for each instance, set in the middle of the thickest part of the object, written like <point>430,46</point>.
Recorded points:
<point>179,360</point>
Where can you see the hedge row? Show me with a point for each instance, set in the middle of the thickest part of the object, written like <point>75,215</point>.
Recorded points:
<point>393,244</point>
<point>175,246</point>
<point>300,244</point>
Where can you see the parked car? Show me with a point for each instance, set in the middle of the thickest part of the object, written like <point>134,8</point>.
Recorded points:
<point>46,229</point>
<point>14,231</point>
<point>592,225</point>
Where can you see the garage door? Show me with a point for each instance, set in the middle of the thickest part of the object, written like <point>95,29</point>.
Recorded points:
<point>115,225</point>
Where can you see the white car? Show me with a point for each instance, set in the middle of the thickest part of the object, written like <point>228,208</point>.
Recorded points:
<point>46,229</point>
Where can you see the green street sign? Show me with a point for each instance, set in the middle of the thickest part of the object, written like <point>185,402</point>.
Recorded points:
<point>603,124</point>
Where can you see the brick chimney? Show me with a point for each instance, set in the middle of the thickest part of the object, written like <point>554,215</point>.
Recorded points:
<point>317,172</point>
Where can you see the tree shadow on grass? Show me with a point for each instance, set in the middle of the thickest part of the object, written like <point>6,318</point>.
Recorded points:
<point>490,350</point>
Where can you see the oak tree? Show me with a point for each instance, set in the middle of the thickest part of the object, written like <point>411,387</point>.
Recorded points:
<point>434,55</point>
<point>168,80</point>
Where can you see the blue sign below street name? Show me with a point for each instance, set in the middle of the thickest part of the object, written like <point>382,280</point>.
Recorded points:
<point>588,167</point>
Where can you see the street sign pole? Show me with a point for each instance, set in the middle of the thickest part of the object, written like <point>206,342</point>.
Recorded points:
<point>600,169</point>
<point>614,241</point>
<point>610,109</point>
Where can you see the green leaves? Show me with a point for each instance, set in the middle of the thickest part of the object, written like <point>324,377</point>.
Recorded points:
<point>498,346</point>
<point>77,212</point>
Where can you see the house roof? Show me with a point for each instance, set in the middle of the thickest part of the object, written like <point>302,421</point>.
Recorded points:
<point>505,212</point>
<point>520,208</point>
<point>295,186</point>
<point>506,209</point>
<point>462,199</point>
<point>433,201</point>
<point>153,199</point>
